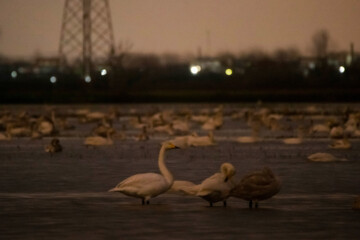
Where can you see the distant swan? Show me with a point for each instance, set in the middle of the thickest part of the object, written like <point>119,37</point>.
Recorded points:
<point>218,186</point>
<point>100,141</point>
<point>247,139</point>
<point>54,146</point>
<point>324,157</point>
<point>257,186</point>
<point>196,141</point>
<point>148,185</point>
<point>340,144</point>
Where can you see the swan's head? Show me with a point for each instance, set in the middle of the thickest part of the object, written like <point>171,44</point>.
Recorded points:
<point>169,145</point>
<point>228,170</point>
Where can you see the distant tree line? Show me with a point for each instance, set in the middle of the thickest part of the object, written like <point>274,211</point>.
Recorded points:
<point>138,73</point>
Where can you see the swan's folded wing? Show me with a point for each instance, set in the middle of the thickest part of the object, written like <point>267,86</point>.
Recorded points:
<point>138,181</point>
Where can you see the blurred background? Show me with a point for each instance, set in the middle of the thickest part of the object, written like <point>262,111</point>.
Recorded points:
<point>75,51</point>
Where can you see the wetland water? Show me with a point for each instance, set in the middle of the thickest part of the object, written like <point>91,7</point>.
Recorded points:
<point>64,196</point>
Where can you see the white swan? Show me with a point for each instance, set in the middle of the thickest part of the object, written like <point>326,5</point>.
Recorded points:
<point>100,141</point>
<point>247,139</point>
<point>218,186</point>
<point>4,136</point>
<point>201,140</point>
<point>324,157</point>
<point>257,186</point>
<point>336,132</point>
<point>294,140</point>
<point>183,141</point>
<point>340,144</point>
<point>148,185</point>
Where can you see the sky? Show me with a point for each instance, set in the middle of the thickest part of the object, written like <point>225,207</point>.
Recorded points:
<point>28,27</point>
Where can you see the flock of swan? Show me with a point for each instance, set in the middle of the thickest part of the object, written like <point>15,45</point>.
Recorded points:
<point>254,186</point>
<point>183,128</point>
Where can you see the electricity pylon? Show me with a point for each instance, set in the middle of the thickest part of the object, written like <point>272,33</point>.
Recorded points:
<point>86,34</point>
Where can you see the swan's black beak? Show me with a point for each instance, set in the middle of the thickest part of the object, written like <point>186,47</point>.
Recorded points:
<point>226,179</point>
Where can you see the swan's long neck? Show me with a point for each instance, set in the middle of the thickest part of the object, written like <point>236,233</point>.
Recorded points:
<point>163,169</point>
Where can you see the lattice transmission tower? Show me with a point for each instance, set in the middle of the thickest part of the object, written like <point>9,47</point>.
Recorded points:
<point>86,35</point>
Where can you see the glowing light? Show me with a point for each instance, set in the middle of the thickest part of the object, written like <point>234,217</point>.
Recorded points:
<point>14,74</point>
<point>103,72</point>
<point>195,69</point>
<point>341,69</point>
<point>312,65</point>
<point>228,71</point>
<point>87,79</point>
<point>53,79</point>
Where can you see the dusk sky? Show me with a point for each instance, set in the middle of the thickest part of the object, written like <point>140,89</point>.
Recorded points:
<point>182,26</point>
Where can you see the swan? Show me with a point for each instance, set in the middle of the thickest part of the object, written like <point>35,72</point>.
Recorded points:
<point>295,140</point>
<point>336,132</point>
<point>99,141</point>
<point>201,140</point>
<point>257,186</point>
<point>54,146</point>
<point>102,128</point>
<point>340,144</point>
<point>324,157</point>
<point>4,136</point>
<point>183,141</point>
<point>247,139</point>
<point>45,126</point>
<point>94,116</point>
<point>167,128</point>
<point>218,186</point>
<point>213,122</point>
<point>148,185</point>
<point>181,125</point>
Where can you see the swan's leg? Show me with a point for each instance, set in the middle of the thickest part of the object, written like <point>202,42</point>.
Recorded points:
<point>147,202</point>
<point>250,204</point>
<point>143,201</point>
<point>211,204</point>
<point>256,204</point>
<point>224,203</point>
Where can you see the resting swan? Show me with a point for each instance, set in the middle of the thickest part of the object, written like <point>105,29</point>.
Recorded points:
<point>100,141</point>
<point>218,186</point>
<point>196,141</point>
<point>54,146</point>
<point>148,185</point>
<point>257,186</point>
<point>325,157</point>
